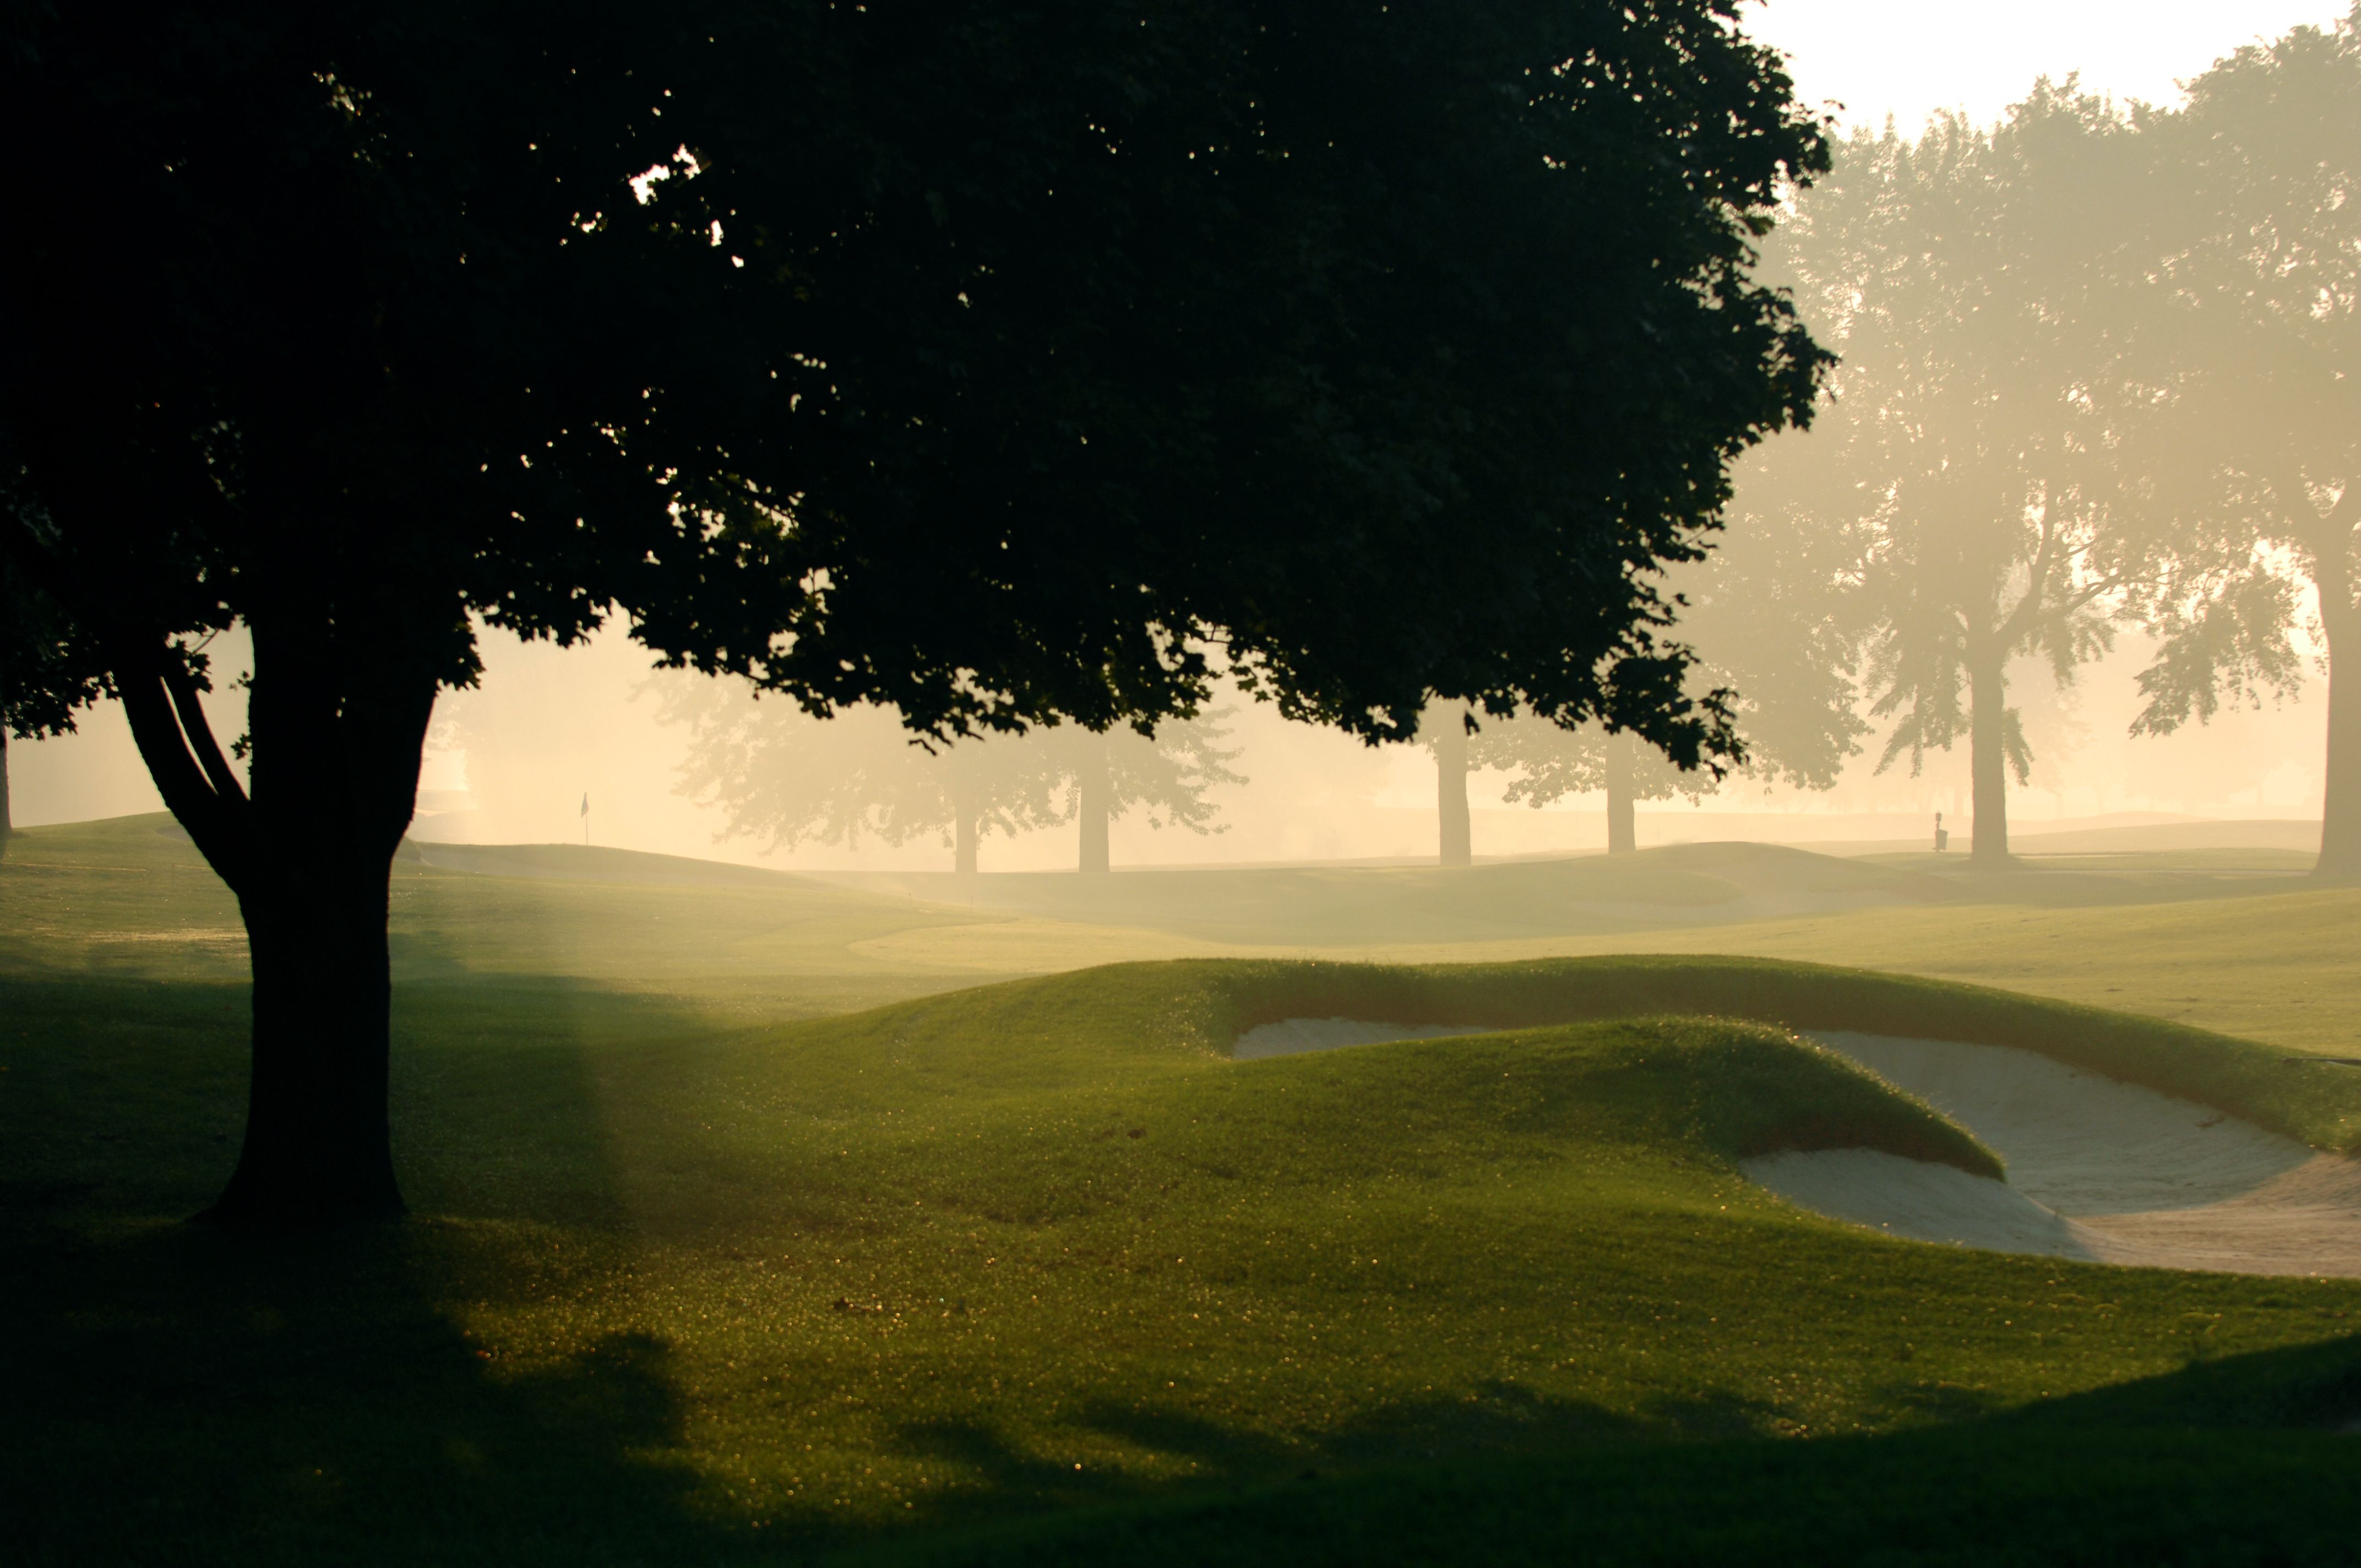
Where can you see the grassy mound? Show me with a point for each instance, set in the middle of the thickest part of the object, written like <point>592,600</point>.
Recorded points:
<point>2287,1092</point>
<point>691,1286</point>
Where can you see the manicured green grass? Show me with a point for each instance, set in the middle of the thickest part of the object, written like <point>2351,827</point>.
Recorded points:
<point>683,1289</point>
<point>722,1272</point>
<point>130,898</point>
<point>2282,967</point>
<point>2266,958</point>
<point>2288,1091</point>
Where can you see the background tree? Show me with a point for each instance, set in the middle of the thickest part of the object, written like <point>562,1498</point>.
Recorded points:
<point>783,775</point>
<point>1547,763</point>
<point>1978,416</point>
<point>1445,727</point>
<point>997,367</point>
<point>1770,612</point>
<point>2255,362</point>
<point>1166,775</point>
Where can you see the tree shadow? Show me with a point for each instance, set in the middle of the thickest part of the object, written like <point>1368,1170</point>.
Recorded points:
<point>185,1393</point>
<point>2212,1463</point>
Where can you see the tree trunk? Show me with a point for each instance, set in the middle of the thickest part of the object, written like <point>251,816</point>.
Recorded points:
<point>1450,782</point>
<point>1092,805</point>
<point>2340,796</point>
<point>337,738</point>
<point>318,1145</point>
<point>1622,814</point>
<point>1988,762</point>
<point>964,837</point>
<point>8,814</point>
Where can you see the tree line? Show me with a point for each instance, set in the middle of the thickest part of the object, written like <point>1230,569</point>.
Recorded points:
<point>779,774</point>
<point>2099,366</point>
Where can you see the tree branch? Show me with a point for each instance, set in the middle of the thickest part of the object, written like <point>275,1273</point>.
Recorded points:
<point>2019,622</point>
<point>216,825</point>
<point>200,732</point>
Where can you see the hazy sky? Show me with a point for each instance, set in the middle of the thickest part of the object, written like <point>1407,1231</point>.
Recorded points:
<point>1909,58</point>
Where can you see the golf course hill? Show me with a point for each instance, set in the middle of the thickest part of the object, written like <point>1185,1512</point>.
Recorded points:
<point>724,1247</point>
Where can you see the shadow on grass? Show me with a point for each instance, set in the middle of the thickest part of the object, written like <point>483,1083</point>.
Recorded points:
<point>178,1393</point>
<point>2223,1463</point>
<point>1497,1425</point>
<point>185,1395</point>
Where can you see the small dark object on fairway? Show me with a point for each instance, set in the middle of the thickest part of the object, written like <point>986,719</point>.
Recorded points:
<point>1138,1133</point>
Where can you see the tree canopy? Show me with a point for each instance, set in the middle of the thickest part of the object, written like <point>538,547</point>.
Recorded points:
<point>1000,363</point>
<point>1978,425</point>
<point>2254,261</point>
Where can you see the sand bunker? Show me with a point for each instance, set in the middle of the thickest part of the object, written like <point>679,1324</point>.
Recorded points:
<point>1293,1036</point>
<point>2097,1169</point>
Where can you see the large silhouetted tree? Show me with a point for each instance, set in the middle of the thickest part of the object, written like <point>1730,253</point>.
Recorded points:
<point>1970,281</point>
<point>2256,360</point>
<point>994,362</point>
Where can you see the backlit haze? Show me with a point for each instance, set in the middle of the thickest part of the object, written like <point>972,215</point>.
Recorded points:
<point>511,762</point>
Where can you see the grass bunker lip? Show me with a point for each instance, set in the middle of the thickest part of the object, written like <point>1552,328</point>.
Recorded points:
<point>2101,1170</point>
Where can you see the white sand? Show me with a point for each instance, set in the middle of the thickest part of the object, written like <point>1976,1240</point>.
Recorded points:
<point>1918,1199</point>
<point>1293,1036</point>
<point>2097,1169</point>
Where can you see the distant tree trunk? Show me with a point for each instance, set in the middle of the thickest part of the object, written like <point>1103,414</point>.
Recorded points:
<point>336,782</point>
<point>1450,782</point>
<point>8,814</point>
<point>1622,814</point>
<point>963,834</point>
<point>1988,758</point>
<point>1094,805</point>
<point>2340,796</point>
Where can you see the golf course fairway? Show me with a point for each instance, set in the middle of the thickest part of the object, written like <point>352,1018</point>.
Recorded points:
<point>1035,1271</point>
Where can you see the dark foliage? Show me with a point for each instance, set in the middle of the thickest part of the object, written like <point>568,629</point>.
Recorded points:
<point>995,362</point>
